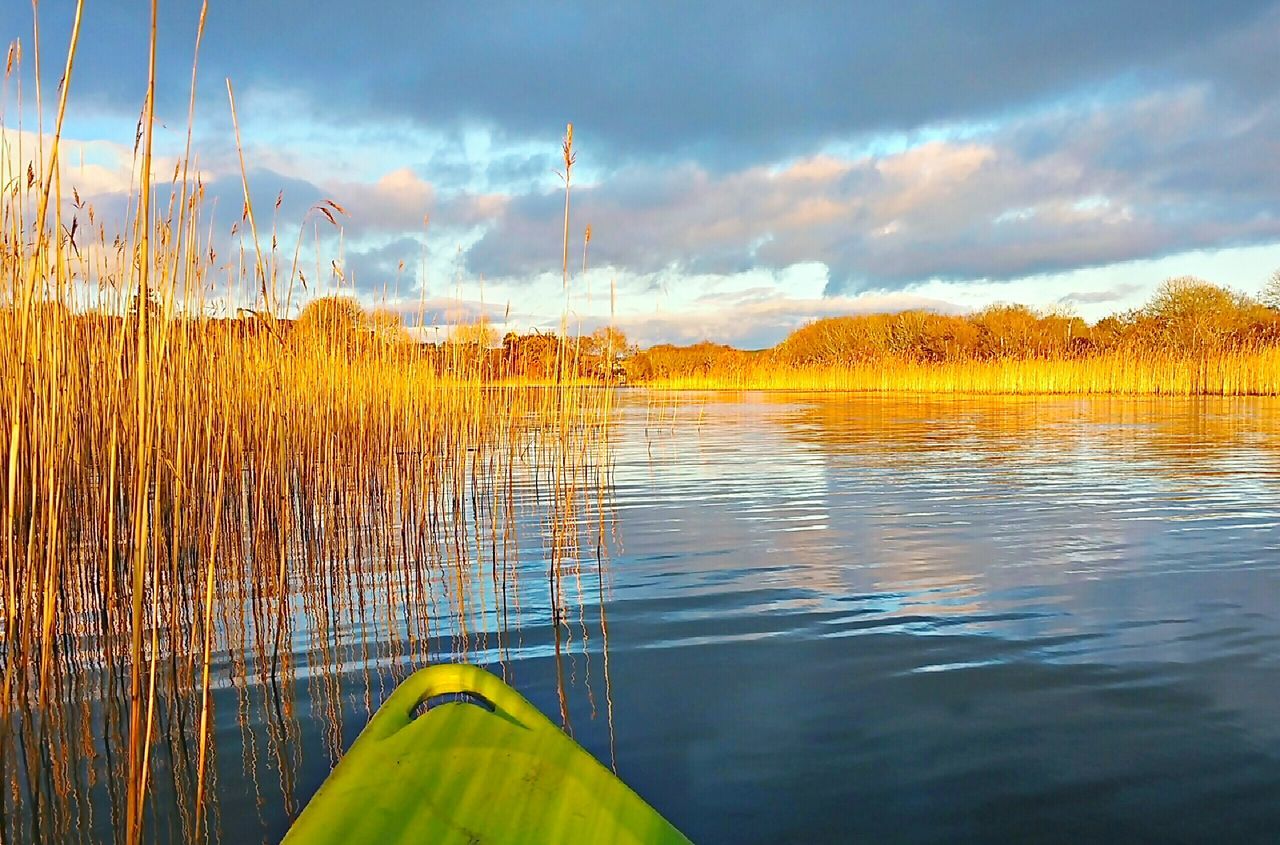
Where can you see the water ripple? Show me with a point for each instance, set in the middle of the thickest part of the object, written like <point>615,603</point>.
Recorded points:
<point>976,619</point>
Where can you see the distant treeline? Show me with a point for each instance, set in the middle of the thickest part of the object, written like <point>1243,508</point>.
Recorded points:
<point>340,326</point>
<point>474,349</point>
<point>1192,337</point>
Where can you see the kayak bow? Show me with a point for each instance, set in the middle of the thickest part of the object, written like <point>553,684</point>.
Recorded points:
<point>489,768</point>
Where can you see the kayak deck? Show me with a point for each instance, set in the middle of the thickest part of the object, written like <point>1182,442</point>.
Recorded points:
<point>489,768</point>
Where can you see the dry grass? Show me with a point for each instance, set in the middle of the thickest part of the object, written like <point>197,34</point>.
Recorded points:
<point>183,490</point>
<point>1193,337</point>
<point>1242,373</point>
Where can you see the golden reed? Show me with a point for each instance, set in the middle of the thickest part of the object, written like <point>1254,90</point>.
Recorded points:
<point>1192,338</point>
<point>183,490</point>
<point>1245,373</point>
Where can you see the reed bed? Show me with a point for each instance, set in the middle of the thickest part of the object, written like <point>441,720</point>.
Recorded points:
<point>199,507</point>
<point>1191,338</point>
<point>1232,373</point>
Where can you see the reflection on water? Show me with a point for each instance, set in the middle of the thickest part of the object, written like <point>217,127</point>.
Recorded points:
<point>337,578</point>
<point>951,619</point>
<point>827,617</point>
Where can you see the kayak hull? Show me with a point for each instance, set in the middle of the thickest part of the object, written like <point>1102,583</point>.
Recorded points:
<point>491,768</point>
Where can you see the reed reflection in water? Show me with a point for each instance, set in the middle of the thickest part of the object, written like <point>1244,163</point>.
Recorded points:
<point>828,617</point>
<point>950,619</point>
<point>461,541</point>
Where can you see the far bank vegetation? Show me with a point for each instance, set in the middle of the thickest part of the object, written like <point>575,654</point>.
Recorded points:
<point>1193,337</point>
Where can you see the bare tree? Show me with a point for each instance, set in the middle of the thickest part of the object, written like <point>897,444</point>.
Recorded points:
<point>1271,292</point>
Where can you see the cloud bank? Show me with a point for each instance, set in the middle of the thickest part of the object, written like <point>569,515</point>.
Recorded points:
<point>822,157</point>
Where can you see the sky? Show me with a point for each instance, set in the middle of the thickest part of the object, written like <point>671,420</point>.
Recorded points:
<point>745,167</point>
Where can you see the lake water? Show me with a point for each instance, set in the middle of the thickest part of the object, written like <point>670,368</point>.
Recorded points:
<point>916,620</point>
<point>951,620</point>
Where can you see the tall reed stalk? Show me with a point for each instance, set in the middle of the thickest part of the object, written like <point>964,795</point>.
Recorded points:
<point>195,505</point>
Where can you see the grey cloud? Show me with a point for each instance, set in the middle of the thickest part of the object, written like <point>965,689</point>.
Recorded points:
<point>686,107</point>
<point>1115,293</point>
<point>389,269</point>
<point>725,81</point>
<point>1138,179</point>
<point>395,203</point>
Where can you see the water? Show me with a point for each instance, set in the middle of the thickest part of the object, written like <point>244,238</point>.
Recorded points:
<point>833,617</point>
<point>951,620</point>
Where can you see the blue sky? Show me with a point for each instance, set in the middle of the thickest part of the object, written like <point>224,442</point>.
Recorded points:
<point>745,167</point>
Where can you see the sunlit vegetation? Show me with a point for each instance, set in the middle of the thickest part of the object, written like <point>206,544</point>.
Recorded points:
<point>187,484</point>
<point>339,328</point>
<point>1193,337</point>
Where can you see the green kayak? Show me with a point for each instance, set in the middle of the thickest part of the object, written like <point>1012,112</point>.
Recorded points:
<point>487,769</point>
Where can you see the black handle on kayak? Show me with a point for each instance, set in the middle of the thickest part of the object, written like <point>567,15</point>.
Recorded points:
<point>402,707</point>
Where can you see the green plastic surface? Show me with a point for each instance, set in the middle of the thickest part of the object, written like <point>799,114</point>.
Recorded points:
<point>462,773</point>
